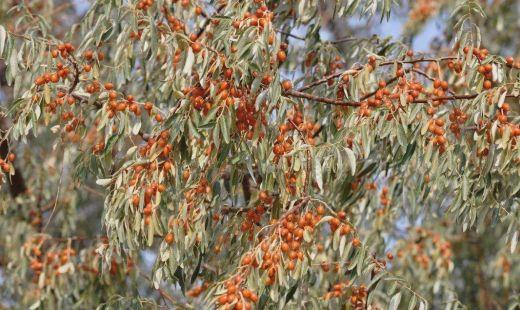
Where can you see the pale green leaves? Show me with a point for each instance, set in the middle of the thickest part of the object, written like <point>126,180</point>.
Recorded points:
<point>351,160</point>
<point>467,30</point>
<point>103,182</point>
<point>394,302</point>
<point>3,37</point>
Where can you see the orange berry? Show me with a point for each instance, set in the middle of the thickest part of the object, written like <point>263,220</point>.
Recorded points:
<point>169,238</point>
<point>88,55</point>
<point>109,86</point>
<point>196,47</point>
<point>39,81</point>
<point>6,168</point>
<point>281,56</point>
<point>263,195</point>
<point>223,299</point>
<point>135,200</point>
<point>287,85</point>
<point>246,260</point>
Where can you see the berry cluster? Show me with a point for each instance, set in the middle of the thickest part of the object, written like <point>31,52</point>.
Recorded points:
<point>358,294</point>
<point>5,164</point>
<point>260,18</point>
<point>236,295</point>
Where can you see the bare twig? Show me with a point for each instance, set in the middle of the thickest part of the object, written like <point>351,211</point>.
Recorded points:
<point>338,41</point>
<point>290,35</point>
<point>208,20</point>
<point>75,82</point>
<point>329,77</point>
<point>299,94</point>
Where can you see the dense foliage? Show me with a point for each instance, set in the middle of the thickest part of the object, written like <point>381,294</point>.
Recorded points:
<point>259,154</point>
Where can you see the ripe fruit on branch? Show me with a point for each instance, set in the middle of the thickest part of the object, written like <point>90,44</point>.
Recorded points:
<point>196,47</point>
<point>287,85</point>
<point>281,56</point>
<point>169,238</point>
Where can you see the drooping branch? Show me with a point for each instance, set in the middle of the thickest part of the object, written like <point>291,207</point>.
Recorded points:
<point>298,94</point>
<point>382,64</point>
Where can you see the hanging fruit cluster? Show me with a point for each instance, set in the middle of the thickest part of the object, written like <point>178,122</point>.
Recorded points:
<point>5,165</point>
<point>237,296</point>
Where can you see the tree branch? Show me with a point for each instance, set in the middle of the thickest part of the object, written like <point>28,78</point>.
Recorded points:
<point>382,64</point>
<point>208,20</point>
<point>299,94</point>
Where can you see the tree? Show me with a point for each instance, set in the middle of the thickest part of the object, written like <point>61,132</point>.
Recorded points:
<point>259,155</point>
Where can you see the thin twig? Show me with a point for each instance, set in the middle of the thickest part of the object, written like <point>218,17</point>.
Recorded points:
<point>426,75</point>
<point>299,94</point>
<point>420,72</point>
<point>208,20</point>
<point>388,82</point>
<point>338,41</point>
<point>57,197</point>
<point>328,77</point>
<point>290,35</point>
